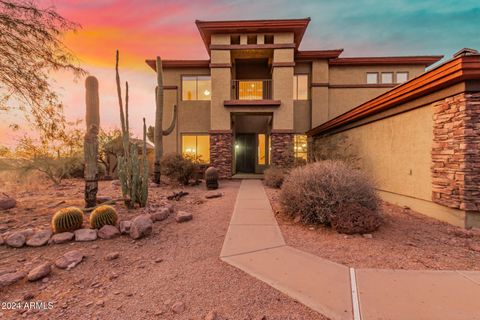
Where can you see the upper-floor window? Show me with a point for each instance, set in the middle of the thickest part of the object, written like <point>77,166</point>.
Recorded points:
<point>387,77</point>
<point>300,87</point>
<point>372,77</point>
<point>268,39</point>
<point>252,39</point>
<point>402,77</point>
<point>196,88</point>
<point>234,39</point>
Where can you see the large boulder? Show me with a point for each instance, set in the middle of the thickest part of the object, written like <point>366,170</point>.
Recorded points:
<point>125,226</point>
<point>69,260</point>
<point>141,226</point>
<point>15,239</point>
<point>85,235</point>
<point>6,202</point>
<point>108,232</point>
<point>10,278</point>
<point>40,272</point>
<point>40,238</point>
<point>61,237</point>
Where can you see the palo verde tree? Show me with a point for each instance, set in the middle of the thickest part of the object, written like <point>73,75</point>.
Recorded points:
<point>30,49</point>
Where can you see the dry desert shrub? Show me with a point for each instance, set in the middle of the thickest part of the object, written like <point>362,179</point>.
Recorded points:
<point>352,218</point>
<point>178,167</point>
<point>274,176</point>
<point>318,190</point>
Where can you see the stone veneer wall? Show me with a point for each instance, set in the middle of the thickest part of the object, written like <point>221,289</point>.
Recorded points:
<point>221,144</point>
<point>282,149</point>
<point>456,152</point>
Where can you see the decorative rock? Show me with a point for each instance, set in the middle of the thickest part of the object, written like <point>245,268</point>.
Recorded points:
<point>183,216</point>
<point>112,256</point>
<point>39,239</point>
<point>61,237</point>
<point>5,271</point>
<point>40,272</point>
<point>85,234</point>
<point>7,202</point>
<point>28,296</point>
<point>367,235</point>
<point>1,240</point>
<point>141,226</point>
<point>108,232</point>
<point>297,219</point>
<point>27,233</point>
<point>125,226</point>
<point>213,194</point>
<point>178,307</point>
<point>69,260</point>
<point>15,239</point>
<point>475,247</point>
<point>10,278</point>
<point>160,214</point>
<point>169,206</point>
<point>212,315</point>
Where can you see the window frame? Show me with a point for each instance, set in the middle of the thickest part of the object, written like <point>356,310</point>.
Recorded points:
<point>196,135</point>
<point>375,73</point>
<point>295,76</point>
<point>196,86</point>
<point>405,72</point>
<point>387,72</point>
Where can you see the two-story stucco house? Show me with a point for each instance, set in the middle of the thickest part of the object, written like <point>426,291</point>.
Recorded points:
<point>250,104</point>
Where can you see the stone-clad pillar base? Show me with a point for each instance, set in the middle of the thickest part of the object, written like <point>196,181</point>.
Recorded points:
<point>456,155</point>
<point>221,152</point>
<point>282,148</point>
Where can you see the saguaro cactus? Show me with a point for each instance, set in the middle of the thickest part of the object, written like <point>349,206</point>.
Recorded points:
<point>158,131</point>
<point>90,144</point>
<point>133,175</point>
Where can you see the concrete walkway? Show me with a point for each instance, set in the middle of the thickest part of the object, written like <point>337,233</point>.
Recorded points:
<point>255,245</point>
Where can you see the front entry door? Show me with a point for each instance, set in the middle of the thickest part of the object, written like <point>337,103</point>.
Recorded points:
<point>245,153</point>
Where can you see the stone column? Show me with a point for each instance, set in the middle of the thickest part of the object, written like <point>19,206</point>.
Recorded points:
<point>310,149</point>
<point>221,152</point>
<point>456,155</point>
<point>282,148</point>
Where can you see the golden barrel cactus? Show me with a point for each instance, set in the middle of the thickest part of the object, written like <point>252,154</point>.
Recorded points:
<point>67,220</point>
<point>103,215</point>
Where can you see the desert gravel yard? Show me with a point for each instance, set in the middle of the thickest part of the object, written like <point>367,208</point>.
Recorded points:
<point>406,240</point>
<point>177,268</point>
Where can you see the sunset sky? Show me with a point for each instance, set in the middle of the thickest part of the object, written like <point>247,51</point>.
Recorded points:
<point>144,29</point>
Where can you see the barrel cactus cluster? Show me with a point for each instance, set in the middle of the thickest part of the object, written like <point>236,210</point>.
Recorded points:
<point>103,215</point>
<point>67,220</point>
<point>211,178</point>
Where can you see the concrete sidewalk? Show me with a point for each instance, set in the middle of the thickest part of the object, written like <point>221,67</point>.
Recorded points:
<point>255,245</point>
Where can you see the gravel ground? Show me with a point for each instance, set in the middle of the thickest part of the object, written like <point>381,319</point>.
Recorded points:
<point>178,262</point>
<point>406,240</point>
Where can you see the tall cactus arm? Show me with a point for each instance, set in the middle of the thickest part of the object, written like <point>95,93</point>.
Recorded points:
<point>119,93</point>
<point>169,130</point>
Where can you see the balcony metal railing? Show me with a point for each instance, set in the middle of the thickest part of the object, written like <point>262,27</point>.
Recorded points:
<point>252,89</point>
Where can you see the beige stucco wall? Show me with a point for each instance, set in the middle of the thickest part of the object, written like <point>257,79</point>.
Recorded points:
<point>220,39</point>
<point>341,100</point>
<point>282,83</point>
<point>301,116</point>
<point>282,38</point>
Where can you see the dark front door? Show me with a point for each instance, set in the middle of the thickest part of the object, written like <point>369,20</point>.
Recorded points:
<point>245,153</point>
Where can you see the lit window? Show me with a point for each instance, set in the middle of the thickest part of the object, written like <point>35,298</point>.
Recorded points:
<point>250,90</point>
<point>261,149</point>
<point>196,88</point>
<point>300,146</point>
<point>372,77</point>
<point>387,77</point>
<point>197,147</point>
<point>402,77</point>
<point>300,87</point>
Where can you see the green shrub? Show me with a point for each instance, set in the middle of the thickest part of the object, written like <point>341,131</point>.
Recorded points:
<point>317,190</point>
<point>177,167</point>
<point>274,176</point>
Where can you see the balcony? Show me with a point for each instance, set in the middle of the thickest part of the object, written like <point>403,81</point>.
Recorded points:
<point>251,93</point>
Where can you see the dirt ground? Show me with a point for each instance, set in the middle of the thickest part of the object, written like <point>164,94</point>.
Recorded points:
<point>406,240</point>
<point>178,262</point>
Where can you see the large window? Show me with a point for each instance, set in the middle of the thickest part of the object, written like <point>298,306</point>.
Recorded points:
<point>197,147</point>
<point>300,147</point>
<point>300,87</point>
<point>196,88</point>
